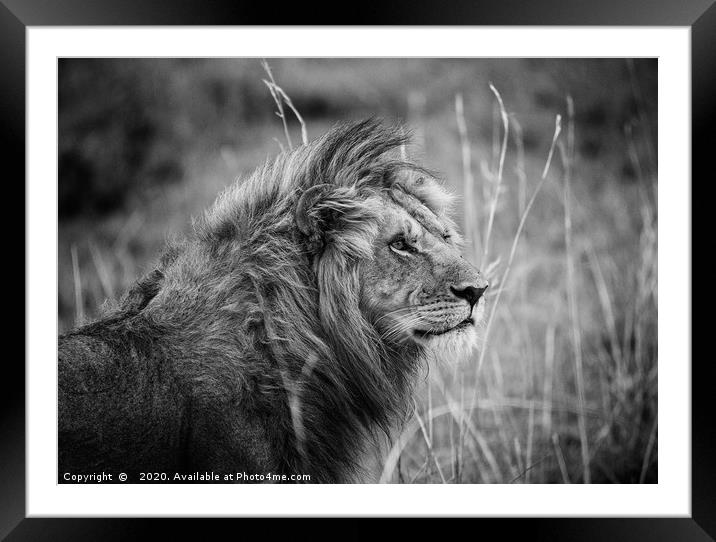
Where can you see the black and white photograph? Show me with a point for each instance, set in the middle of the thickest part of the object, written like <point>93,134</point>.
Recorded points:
<point>423,261</point>
<point>357,270</point>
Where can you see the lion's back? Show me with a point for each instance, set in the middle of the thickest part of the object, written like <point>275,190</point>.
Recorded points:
<point>116,411</point>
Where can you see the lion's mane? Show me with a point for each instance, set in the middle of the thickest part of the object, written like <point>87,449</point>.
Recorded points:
<point>257,323</point>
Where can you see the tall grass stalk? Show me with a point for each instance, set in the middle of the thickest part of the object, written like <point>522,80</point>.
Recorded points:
<point>103,272</point>
<point>469,207</point>
<point>410,430</point>
<point>520,172</point>
<point>567,159</point>
<point>641,111</point>
<point>530,443</point>
<point>548,378</point>
<point>280,97</point>
<point>77,279</point>
<point>428,443</point>
<point>649,449</point>
<point>560,459</point>
<point>607,307</point>
<point>500,169</point>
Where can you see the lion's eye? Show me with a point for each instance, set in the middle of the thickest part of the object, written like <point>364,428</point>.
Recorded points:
<point>400,245</point>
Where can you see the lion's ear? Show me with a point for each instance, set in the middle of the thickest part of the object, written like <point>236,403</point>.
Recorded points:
<point>308,211</point>
<point>327,214</point>
<point>142,292</point>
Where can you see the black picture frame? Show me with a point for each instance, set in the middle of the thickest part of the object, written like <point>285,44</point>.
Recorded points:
<point>16,15</point>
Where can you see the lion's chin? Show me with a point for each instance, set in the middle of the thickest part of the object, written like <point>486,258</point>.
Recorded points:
<point>459,328</point>
<point>453,344</point>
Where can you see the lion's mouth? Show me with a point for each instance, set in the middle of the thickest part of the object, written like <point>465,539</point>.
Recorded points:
<point>467,322</point>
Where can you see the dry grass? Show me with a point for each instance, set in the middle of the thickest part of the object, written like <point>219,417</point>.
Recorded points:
<point>563,388</point>
<point>593,429</point>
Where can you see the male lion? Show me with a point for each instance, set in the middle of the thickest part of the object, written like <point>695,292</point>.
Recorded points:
<point>285,334</point>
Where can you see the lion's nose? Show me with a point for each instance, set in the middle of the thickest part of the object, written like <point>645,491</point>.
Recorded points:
<point>471,294</point>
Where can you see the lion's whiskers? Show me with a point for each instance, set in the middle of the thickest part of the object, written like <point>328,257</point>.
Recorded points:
<point>400,327</point>
<point>394,313</point>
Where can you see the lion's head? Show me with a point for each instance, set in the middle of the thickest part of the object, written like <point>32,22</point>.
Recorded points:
<point>416,280</point>
<point>415,286</point>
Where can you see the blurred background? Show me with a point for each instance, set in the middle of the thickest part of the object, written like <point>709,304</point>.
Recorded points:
<point>564,388</point>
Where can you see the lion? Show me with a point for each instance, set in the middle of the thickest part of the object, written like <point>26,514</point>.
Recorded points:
<point>285,334</point>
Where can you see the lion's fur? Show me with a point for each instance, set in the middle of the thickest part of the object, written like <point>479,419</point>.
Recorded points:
<point>247,348</point>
